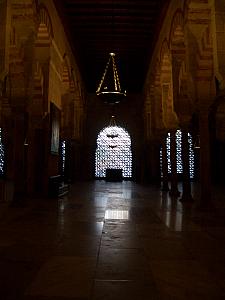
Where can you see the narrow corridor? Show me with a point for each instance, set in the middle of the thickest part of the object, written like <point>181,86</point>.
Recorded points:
<point>111,241</point>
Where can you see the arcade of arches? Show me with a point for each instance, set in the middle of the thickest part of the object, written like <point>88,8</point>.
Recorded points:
<point>46,111</point>
<point>184,89</point>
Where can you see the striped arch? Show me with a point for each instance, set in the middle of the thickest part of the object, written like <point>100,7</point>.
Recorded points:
<point>177,30</point>
<point>76,78</point>
<point>66,77</point>
<point>166,79</point>
<point>156,75</point>
<point>193,4</point>
<point>183,79</point>
<point>74,87</point>
<point>205,56</point>
<point>198,16</point>
<point>147,109</point>
<point>185,103</point>
<point>45,29</point>
<point>37,103</point>
<point>18,76</point>
<point>38,81</point>
<point>178,51</point>
<point>165,63</point>
<point>164,49</point>
<point>158,97</point>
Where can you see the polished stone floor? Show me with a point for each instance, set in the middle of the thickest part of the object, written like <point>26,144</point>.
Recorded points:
<point>112,241</point>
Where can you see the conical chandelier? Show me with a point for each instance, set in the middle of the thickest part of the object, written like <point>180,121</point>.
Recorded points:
<point>109,88</point>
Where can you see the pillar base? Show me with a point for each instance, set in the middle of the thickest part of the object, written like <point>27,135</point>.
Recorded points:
<point>186,199</point>
<point>205,207</point>
<point>19,203</point>
<point>174,193</point>
<point>165,187</point>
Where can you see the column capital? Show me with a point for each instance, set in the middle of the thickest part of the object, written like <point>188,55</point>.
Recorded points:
<point>185,122</point>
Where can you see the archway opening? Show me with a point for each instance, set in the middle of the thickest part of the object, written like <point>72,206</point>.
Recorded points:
<point>113,152</point>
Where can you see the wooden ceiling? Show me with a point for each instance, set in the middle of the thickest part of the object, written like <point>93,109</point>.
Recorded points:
<point>127,27</point>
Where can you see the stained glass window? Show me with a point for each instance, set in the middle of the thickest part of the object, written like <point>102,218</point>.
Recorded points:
<point>113,151</point>
<point>179,154</point>
<point>1,155</point>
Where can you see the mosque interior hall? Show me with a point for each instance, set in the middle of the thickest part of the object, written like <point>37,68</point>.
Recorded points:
<point>112,149</point>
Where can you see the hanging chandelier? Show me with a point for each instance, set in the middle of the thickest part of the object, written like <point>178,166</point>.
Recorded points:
<point>109,89</point>
<point>112,123</point>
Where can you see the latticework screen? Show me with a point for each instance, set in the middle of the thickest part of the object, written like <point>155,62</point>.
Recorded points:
<point>113,151</point>
<point>2,157</point>
<point>63,150</point>
<point>179,154</point>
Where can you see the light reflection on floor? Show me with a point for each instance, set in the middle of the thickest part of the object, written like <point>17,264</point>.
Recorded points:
<point>106,242</point>
<point>174,220</point>
<point>117,215</point>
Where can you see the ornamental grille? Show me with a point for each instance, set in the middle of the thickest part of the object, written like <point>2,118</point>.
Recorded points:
<point>2,156</point>
<point>179,154</point>
<point>63,149</point>
<point>113,152</point>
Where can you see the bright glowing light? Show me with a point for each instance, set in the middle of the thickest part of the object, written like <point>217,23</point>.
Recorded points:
<point>179,154</point>
<point>2,156</point>
<point>63,155</point>
<point>113,151</point>
<point>117,215</point>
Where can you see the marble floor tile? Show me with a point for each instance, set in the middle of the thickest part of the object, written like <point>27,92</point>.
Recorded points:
<point>64,277</point>
<point>53,298</point>
<point>185,280</point>
<point>24,251</point>
<point>117,241</point>
<point>122,264</point>
<point>85,247</point>
<point>159,249</point>
<point>82,247</point>
<point>15,276</point>
<point>127,289</point>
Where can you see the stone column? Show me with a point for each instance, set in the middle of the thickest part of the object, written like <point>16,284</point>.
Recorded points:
<point>205,176</point>
<point>69,162</point>
<point>165,186</point>
<point>154,162</point>
<point>173,158</point>
<point>146,175</point>
<point>4,36</point>
<point>19,158</point>
<point>186,195</point>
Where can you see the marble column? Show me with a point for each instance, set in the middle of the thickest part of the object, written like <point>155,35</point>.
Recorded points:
<point>19,158</point>
<point>174,192</point>
<point>69,162</point>
<point>186,184</point>
<point>165,186</point>
<point>205,170</point>
<point>154,162</point>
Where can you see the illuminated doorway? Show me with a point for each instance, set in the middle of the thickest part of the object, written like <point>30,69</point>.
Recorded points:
<point>113,152</point>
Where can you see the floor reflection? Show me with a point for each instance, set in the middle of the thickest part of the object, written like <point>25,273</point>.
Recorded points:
<point>174,220</point>
<point>112,241</point>
<point>117,215</point>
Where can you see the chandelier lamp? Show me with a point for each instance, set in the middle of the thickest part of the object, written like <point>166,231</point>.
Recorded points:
<point>109,89</point>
